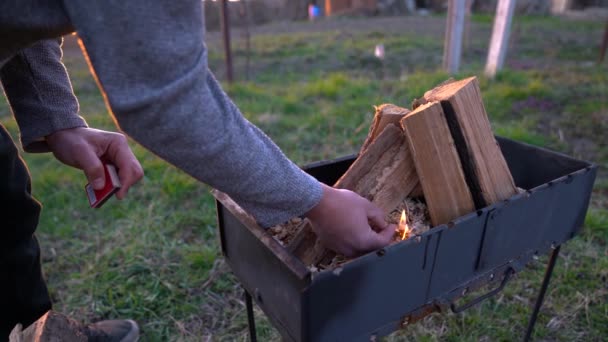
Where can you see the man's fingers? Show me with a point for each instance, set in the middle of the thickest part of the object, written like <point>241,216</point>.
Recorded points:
<point>86,148</point>
<point>376,234</point>
<point>375,216</point>
<point>388,234</point>
<point>349,224</point>
<point>93,168</point>
<point>129,171</point>
<point>128,177</point>
<point>381,239</point>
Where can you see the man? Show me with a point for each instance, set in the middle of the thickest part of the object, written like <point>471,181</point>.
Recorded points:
<point>151,65</point>
<point>42,101</point>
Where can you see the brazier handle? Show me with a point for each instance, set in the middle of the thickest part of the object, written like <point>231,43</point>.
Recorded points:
<point>460,309</point>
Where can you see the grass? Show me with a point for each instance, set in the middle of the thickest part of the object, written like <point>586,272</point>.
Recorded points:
<point>155,256</point>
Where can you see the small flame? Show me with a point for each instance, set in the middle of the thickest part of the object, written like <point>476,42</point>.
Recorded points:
<point>403,226</point>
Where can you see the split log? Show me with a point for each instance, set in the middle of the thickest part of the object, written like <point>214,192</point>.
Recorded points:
<point>437,163</point>
<point>447,141</point>
<point>385,115</point>
<point>487,172</point>
<point>52,327</point>
<point>306,247</point>
<point>384,173</point>
<point>417,192</point>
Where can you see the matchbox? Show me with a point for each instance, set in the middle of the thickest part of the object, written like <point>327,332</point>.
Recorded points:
<point>98,197</point>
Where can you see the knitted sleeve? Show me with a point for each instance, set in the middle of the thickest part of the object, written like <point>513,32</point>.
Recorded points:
<point>151,63</point>
<point>40,93</point>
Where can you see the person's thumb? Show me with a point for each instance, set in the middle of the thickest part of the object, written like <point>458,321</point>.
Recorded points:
<point>375,217</point>
<point>383,232</point>
<point>388,234</point>
<point>380,239</point>
<point>93,168</point>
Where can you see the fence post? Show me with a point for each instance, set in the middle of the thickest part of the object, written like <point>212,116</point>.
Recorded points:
<point>453,35</point>
<point>225,23</point>
<point>500,37</point>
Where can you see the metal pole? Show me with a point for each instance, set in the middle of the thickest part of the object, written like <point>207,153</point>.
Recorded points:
<point>500,36</point>
<point>541,295</point>
<point>225,23</point>
<point>245,15</point>
<point>452,50</point>
<point>250,317</point>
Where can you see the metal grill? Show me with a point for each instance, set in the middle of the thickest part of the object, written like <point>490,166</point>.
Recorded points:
<point>431,272</point>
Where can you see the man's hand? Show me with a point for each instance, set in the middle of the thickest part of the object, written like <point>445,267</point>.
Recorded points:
<point>85,148</point>
<point>348,223</point>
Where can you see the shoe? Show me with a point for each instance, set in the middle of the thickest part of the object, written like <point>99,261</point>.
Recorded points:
<point>112,331</point>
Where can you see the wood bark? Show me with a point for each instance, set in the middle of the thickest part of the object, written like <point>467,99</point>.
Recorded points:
<point>385,115</point>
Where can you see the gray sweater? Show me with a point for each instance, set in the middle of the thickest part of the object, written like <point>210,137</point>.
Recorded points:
<point>150,62</point>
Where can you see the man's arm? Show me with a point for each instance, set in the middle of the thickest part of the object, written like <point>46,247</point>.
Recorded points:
<point>41,99</point>
<point>151,63</point>
<point>40,94</point>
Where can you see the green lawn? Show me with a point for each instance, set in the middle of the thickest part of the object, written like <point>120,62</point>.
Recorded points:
<point>155,256</point>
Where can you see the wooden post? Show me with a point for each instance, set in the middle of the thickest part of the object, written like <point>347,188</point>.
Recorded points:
<point>453,35</point>
<point>500,37</point>
<point>467,25</point>
<point>604,44</point>
<point>410,5</point>
<point>226,34</point>
<point>247,33</point>
<point>560,6</point>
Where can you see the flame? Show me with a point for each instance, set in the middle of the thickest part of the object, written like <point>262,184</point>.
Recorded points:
<point>403,226</point>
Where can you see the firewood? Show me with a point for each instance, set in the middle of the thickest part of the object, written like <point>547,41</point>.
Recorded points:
<point>487,172</point>
<point>305,244</point>
<point>385,115</point>
<point>437,163</point>
<point>417,191</point>
<point>446,140</point>
<point>51,327</point>
<point>384,173</point>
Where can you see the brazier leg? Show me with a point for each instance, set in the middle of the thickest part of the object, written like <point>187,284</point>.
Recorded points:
<point>250,317</point>
<point>541,294</point>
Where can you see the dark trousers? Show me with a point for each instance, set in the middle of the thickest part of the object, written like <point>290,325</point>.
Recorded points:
<point>23,293</point>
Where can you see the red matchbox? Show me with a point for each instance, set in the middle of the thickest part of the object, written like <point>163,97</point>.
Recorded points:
<point>98,197</point>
